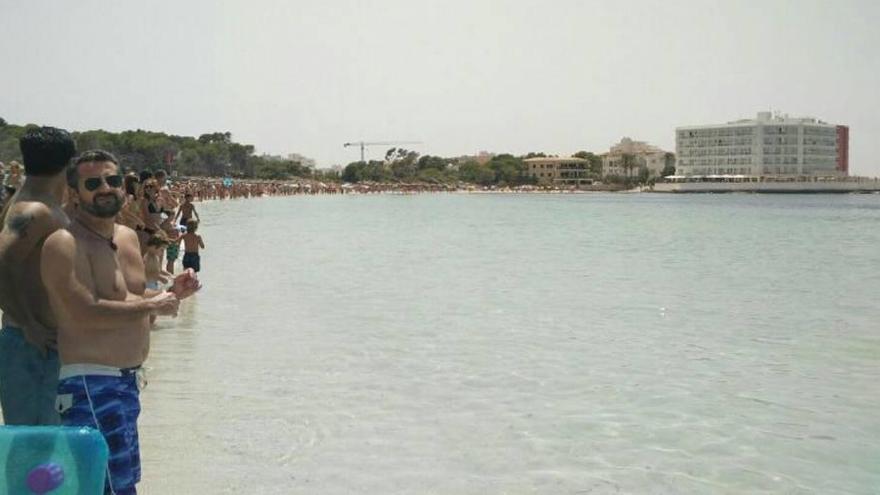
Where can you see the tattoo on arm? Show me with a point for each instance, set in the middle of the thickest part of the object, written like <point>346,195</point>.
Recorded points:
<point>20,223</point>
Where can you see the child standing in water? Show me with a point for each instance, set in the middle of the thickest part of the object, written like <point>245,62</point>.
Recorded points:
<point>191,244</point>
<point>187,210</point>
<point>155,275</point>
<point>173,250</point>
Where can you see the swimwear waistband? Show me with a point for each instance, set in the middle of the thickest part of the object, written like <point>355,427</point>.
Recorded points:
<point>88,369</point>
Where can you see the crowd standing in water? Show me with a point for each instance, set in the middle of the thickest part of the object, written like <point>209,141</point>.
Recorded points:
<point>87,262</point>
<point>80,283</point>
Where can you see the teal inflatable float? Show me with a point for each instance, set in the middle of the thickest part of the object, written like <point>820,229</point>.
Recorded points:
<point>52,460</point>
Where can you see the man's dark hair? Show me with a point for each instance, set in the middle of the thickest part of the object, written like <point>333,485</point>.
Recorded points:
<point>146,175</point>
<point>87,157</point>
<point>160,173</point>
<point>46,150</point>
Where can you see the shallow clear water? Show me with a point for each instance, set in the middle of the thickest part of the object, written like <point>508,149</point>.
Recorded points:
<point>552,344</point>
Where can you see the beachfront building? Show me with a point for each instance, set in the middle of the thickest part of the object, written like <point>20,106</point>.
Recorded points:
<point>769,145</point>
<point>483,157</point>
<point>628,158</point>
<point>555,171</point>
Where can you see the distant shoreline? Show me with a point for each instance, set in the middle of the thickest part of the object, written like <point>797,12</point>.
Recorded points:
<point>313,187</point>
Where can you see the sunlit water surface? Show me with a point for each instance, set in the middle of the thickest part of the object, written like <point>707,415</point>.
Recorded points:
<point>553,344</point>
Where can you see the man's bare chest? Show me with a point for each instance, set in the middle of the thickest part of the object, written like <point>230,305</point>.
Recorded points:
<point>102,270</point>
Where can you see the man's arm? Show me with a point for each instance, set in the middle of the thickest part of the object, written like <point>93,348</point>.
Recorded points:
<point>58,270</point>
<point>148,293</point>
<point>195,213</point>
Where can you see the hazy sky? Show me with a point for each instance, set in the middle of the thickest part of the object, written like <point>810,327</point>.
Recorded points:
<point>460,76</point>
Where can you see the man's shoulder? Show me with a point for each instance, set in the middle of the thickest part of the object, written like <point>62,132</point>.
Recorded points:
<point>64,234</point>
<point>124,230</point>
<point>125,235</point>
<point>28,208</point>
<point>60,239</point>
<point>29,217</point>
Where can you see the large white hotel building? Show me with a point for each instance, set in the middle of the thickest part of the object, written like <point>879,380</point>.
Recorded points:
<point>767,145</point>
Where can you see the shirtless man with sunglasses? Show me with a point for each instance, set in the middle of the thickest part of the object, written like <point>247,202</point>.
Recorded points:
<point>94,275</point>
<point>28,360</point>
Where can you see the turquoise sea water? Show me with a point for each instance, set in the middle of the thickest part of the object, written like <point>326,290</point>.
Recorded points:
<point>553,344</point>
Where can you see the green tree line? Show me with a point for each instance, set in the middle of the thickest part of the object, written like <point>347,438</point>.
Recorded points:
<point>211,155</point>
<point>402,165</point>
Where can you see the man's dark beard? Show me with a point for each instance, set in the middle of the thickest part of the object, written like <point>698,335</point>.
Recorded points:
<point>103,211</point>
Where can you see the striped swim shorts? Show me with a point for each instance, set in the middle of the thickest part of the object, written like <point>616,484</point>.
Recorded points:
<point>107,399</point>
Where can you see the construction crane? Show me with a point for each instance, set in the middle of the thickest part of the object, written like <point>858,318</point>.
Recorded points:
<point>363,144</point>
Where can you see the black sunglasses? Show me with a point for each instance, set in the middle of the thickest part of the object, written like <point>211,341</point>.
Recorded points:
<point>92,183</point>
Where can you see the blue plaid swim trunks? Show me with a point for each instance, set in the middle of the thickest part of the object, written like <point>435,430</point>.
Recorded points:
<point>107,399</point>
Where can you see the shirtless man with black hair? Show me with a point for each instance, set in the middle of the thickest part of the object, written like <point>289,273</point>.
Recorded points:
<point>28,360</point>
<point>94,275</point>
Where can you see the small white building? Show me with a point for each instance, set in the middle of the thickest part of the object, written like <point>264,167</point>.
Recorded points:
<point>644,155</point>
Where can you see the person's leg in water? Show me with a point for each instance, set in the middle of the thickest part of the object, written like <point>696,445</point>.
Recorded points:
<point>172,252</point>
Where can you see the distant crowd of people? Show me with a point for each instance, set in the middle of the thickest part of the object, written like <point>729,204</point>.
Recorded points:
<point>219,189</point>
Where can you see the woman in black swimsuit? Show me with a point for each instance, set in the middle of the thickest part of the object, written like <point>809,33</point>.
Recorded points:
<point>150,211</point>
